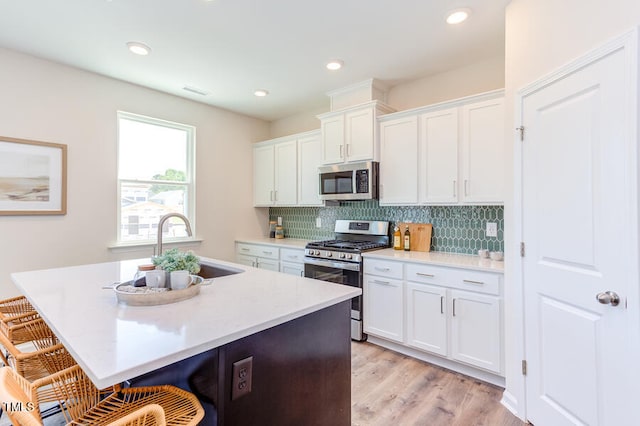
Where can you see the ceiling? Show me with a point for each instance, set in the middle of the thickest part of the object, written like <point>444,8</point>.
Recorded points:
<point>230,48</point>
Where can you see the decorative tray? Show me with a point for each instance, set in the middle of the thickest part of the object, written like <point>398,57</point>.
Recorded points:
<point>147,296</point>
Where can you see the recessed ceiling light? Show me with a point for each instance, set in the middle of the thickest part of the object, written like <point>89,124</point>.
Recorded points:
<point>457,16</point>
<point>138,48</point>
<point>335,65</point>
<point>261,93</point>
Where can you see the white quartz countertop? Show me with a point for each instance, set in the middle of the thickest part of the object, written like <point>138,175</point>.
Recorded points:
<point>282,242</point>
<point>438,258</point>
<point>114,342</point>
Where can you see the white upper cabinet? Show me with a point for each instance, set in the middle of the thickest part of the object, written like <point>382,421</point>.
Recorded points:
<point>285,171</point>
<point>399,165</point>
<point>309,158</point>
<point>444,154</point>
<point>263,175</point>
<point>439,156</point>
<point>482,150</point>
<point>349,135</point>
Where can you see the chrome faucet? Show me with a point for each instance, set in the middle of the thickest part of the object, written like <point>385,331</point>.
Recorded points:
<point>163,219</point>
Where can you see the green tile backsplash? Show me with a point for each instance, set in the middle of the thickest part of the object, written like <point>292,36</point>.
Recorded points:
<point>456,229</point>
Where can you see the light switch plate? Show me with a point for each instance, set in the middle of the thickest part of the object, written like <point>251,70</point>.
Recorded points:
<point>492,229</point>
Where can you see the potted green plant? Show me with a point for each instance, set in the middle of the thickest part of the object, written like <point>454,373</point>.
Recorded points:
<point>176,260</point>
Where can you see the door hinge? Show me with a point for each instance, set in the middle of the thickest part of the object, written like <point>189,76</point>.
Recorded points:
<point>522,249</point>
<point>521,130</point>
<point>524,367</point>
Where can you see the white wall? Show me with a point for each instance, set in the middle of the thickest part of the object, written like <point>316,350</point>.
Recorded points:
<point>45,101</point>
<point>542,35</point>
<point>470,80</point>
<point>457,83</point>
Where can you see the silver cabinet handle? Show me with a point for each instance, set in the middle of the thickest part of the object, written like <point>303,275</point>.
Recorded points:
<point>348,149</point>
<point>275,195</point>
<point>422,274</point>
<point>341,148</point>
<point>267,252</point>
<point>466,190</point>
<point>245,249</point>
<point>608,298</point>
<point>382,282</point>
<point>293,256</point>
<point>378,268</point>
<point>442,304</point>
<point>454,189</point>
<point>473,282</point>
<point>454,307</point>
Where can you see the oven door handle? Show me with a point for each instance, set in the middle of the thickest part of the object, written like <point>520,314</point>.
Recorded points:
<point>333,264</point>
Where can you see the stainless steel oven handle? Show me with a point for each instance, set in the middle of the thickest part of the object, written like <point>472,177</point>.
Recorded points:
<point>333,264</point>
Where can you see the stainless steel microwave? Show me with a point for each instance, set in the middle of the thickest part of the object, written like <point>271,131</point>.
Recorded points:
<point>352,181</point>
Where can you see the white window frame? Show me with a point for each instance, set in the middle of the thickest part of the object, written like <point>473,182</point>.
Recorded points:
<point>190,173</point>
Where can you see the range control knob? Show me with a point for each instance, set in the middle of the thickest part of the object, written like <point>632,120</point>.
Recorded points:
<point>349,256</point>
<point>342,255</point>
<point>329,254</point>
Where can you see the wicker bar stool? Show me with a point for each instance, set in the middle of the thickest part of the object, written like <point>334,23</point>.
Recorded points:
<point>82,403</point>
<point>13,312</point>
<point>17,399</point>
<point>44,355</point>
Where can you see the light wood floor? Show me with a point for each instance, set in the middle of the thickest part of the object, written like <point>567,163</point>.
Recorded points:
<point>388,388</point>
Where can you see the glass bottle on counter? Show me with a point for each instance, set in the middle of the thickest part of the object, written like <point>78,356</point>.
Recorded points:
<point>272,229</point>
<point>397,239</point>
<point>407,239</point>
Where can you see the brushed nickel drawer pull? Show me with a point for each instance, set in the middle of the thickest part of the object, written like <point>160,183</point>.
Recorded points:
<point>245,249</point>
<point>454,307</point>
<point>382,282</point>
<point>425,275</point>
<point>267,252</point>
<point>473,282</point>
<point>378,268</point>
<point>442,304</point>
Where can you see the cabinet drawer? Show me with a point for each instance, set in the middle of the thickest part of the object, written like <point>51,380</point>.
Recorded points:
<point>481,282</point>
<point>257,250</point>
<point>463,279</point>
<point>383,268</point>
<point>292,255</point>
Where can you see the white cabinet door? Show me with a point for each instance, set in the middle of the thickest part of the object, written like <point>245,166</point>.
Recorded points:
<point>333,139</point>
<point>475,330</point>
<point>359,135</point>
<point>439,156</point>
<point>292,268</point>
<point>383,307</point>
<point>286,173</point>
<point>399,161</point>
<point>309,158</point>
<point>246,260</point>
<point>263,175</point>
<point>270,264</point>
<point>483,149</point>
<point>427,317</point>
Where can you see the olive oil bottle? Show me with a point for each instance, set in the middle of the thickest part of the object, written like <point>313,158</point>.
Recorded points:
<point>397,239</point>
<point>407,239</point>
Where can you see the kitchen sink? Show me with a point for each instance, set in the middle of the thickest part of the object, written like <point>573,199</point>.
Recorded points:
<point>211,270</point>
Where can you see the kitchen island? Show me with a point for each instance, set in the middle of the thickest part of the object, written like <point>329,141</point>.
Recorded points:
<point>295,330</point>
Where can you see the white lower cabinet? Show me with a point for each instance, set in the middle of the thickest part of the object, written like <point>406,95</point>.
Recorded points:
<point>454,313</point>
<point>475,326</point>
<point>258,256</point>
<point>427,318</point>
<point>383,299</point>
<point>292,261</point>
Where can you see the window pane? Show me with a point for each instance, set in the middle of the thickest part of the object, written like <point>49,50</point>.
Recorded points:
<point>151,152</point>
<point>142,206</point>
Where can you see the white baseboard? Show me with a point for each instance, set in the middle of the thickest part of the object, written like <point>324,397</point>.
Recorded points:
<point>485,376</point>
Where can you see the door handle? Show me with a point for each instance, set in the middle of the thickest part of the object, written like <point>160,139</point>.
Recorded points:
<point>608,298</point>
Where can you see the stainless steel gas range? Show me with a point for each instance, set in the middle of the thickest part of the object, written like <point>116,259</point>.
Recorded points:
<point>340,260</point>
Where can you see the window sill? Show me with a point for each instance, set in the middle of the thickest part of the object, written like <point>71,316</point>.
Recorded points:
<point>137,245</point>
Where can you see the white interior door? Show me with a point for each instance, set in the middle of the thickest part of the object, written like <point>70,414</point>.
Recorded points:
<point>579,213</point>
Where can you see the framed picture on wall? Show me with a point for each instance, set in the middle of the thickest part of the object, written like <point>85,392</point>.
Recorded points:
<point>33,177</point>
